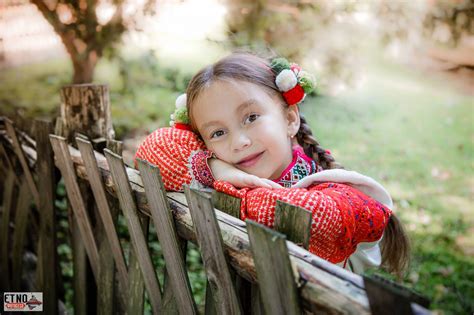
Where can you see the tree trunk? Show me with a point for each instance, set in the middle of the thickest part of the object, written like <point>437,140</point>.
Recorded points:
<point>84,67</point>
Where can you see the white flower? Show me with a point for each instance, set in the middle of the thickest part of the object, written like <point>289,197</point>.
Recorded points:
<point>172,116</point>
<point>286,80</point>
<point>181,101</point>
<point>171,123</point>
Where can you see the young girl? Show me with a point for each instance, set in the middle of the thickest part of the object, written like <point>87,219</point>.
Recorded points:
<point>240,127</point>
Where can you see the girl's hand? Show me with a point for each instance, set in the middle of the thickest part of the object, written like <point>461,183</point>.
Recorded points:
<point>226,172</point>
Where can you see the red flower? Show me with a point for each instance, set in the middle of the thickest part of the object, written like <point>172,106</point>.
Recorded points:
<point>294,96</point>
<point>182,126</point>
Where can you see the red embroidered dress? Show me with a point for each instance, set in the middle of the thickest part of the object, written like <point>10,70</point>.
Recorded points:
<point>343,216</point>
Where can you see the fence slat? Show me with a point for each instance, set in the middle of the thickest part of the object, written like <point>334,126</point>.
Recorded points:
<point>104,210</point>
<point>166,232</point>
<point>21,221</point>
<point>210,307</point>
<point>212,251</point>
<point>384,299</point>
<point>226,203</point>
<point>47,243</point>
<point>294,222</point>
<point>81,267</point>
<point>8,163</point>
<point>9,201</point>
<point>66,167</point>
<point>136,283</point>
<point>21,156</point>
<point>170,305</point>
<point>139,242</point>
<point>105,286</point>
<point>274,273</point>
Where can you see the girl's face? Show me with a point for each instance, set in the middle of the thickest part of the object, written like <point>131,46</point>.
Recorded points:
<point>246,127</point>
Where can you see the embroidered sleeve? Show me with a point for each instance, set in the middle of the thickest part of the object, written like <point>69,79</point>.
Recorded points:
<point>342,216</point>
<point>170,149</point>
<point>200,170</point>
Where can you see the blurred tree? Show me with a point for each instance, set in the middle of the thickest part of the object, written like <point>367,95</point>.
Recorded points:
<point>89,28</point>
<point>441,21</point>
<point>450,21</point>
<point>285,26</point>
<point>313,33</point>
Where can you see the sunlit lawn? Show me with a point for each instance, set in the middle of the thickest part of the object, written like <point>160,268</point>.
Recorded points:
<point>411,132</point>
<point>414,134</point>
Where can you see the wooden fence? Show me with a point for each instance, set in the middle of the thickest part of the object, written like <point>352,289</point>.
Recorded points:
<point>250,269</point>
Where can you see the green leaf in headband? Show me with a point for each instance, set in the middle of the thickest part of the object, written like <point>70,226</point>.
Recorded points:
<point>181,115</point>
<point>306,81</point>
<point>279,64</point>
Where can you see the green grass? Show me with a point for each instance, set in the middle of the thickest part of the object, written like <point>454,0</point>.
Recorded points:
<point>411,132</point>
<point>414,135</point>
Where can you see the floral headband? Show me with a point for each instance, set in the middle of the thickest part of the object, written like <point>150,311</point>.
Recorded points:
<point>293,83</point>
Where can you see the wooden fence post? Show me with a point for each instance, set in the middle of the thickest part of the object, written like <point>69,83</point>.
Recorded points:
<point>163,220</point>
<point>294,222</point>
<point>226,203</point>
<point>136,284</point>
<point>105,213</point>
<point>21,156</point>
<point>47,242</point>
<point>210,242</point>
<point>61,151</point>
<point>9,203</point>
<point>140,247</point>
<point>85,108</point>
<point>274,272</point>
<point>21,221</point>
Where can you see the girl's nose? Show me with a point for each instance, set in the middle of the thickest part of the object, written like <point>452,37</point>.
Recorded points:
<point>240,141</point>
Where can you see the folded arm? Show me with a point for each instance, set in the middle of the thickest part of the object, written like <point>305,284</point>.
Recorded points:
<point>183,159</point>
<point>342,216</point>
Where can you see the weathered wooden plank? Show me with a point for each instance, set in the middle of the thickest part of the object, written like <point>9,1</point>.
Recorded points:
<point>8,165</point>
<point>21,157</point>
<point>86,108</point>
<point>139,242</point>
<point>385,298</point>
<point>66,167</point>
<point>115,146</point>
<point>274,272</point>
<point>9,203</point>
<point>104,210</point>
<point>105,286</point>
<point>256,300</point>
<point>165,230</point>
<point>170,305</point>
<point>21,221</point>
<point>47,243</point>
<point>210,306</point>
<point>294,222</point>
<point>212,251</point>
<point>81,268</point>
<point>226,203</point>
<point>136,284</point>
<point>121,292</point>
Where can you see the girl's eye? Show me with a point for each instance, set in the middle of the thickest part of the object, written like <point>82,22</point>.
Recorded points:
<point>217,133</point>
<point>251,118</point>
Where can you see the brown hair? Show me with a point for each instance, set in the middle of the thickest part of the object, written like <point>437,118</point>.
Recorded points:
<point>254,69</point>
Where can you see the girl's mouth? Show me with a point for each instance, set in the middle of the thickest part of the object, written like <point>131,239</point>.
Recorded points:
<point>250,160</point>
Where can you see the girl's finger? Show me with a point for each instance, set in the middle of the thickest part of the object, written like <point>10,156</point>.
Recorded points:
<point>271,183</point>
<point>254,181</point>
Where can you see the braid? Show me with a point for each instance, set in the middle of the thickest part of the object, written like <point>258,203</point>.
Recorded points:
<point>313,149</point>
